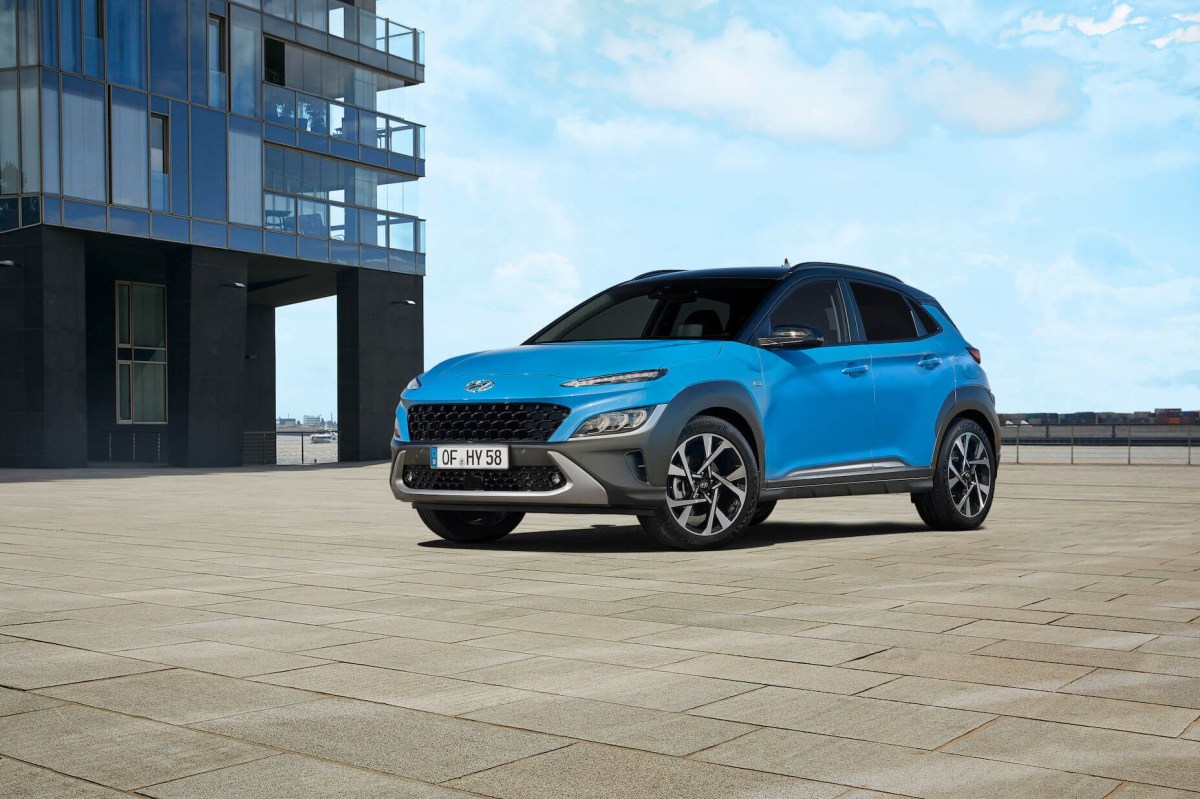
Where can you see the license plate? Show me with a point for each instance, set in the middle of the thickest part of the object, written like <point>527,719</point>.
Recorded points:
<point>466,456</point>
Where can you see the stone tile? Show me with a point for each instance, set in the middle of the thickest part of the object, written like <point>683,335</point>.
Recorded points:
<point>592,771</point>
<point>718,604</point>
<point>179,696</point>
<point>886,619</point>
<point>1162,689</point>
<point>577,648</point>
<point>748,644</point>
<point>23,781</point>
<point>291,776</point>
<point>1084,710</point>
<point>314,595</point>
<point>1126,610</point>
<point>983,612</point>
<point>14,702</point>
<point>603,627</point>
<point>901,770</point>
<point>439,609</point>
<point>282,636</point>
<point>170,596</point>
<point>289,611</point>
<point>116,750</point>
<point>1102,658</point>
<point>443,695</point>
<point>226,659</point>
<point>1173,645</point>
<point>91,635</point>
<point>828,679</point>
<point>620,725</point>
<point>426,629</point>
<point>898,723</point>
<point>422,657</point>
<point>43,600</point>
<point>1134,791</point>
<point>389,739</point>
<point>32,664</point>
<point>971,668</point>
<point>603,682</point>
<point>1104,753</point>
<point>721,621</point>
<point>145,615</point>
<point>1054,634</point>
<point>935,642</point>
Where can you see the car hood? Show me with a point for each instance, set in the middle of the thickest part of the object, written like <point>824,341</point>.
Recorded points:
<point>575,359</point>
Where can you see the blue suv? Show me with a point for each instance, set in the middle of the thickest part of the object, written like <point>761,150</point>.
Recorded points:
<point>697,400</point>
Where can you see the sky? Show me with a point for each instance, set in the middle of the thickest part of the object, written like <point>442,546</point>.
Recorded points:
<point>1035,167</point>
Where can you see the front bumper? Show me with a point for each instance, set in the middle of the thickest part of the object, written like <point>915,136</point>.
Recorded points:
<point>605,473</point>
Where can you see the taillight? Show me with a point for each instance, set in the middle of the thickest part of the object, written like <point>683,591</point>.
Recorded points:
<point>975,354</point>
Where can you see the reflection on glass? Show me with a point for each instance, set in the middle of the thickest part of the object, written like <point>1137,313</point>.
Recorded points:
<point>149,316</point>
<point>279,106</point>
<point>402,234</point>
<point>279,213</point>
<point>313,219</point>
<point>312,115</point>
<point>150,393</point>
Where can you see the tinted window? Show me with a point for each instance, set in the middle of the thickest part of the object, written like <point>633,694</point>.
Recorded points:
<point>687,309</point>
<point>928,322</point>
<point>817,305</point>
<point>885,313</point>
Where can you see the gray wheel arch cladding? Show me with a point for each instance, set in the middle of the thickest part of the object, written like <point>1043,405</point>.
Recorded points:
<point>724,395</point>
<point>968,398</point>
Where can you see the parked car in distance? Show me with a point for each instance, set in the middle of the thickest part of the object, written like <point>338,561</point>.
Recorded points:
<point>697,400</point>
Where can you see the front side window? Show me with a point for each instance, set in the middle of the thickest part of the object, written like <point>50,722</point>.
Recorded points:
<point>817,305</point>
<point>141,353</point>
<point>886,315</point>
<point>717,308</point>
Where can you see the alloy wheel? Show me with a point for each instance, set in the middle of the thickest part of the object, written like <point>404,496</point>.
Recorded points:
<point>970,475</point>
<point>707,484</point>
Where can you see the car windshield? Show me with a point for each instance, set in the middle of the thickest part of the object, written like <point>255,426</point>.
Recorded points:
<point>713,308</point>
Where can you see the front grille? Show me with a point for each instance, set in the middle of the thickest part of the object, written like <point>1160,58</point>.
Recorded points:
<point>517,478</point>
<point>485,421</point>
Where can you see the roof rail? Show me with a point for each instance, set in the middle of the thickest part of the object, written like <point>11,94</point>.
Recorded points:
<point>653,273</point>
<point>815,264</point>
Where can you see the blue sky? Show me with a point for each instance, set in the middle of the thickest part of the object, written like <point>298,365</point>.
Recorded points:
<point>1035,167</point>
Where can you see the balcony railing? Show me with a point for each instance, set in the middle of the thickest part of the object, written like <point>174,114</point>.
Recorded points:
<point>340,121</point>
<point>353,25</point>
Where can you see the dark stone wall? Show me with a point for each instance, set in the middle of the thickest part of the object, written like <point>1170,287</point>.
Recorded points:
<point>380,348</point>
<point>206,342</point>
<point>258,403</point>
<point>43,376</point>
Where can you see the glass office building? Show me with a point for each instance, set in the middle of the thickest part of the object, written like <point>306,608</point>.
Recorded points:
<point>170,172</point>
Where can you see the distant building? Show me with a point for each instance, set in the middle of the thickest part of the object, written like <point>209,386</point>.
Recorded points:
<point>314,420</point>
<point>1172,416</point>
<point>285,420</point>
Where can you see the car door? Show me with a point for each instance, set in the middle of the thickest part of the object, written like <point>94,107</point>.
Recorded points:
<point>818,402</point>
<point>913,373</point>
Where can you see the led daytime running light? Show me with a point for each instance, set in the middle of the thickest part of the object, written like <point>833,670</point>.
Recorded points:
<point>642,376</point>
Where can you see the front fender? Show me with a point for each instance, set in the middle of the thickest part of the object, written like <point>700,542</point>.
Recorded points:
<point>727,395</point>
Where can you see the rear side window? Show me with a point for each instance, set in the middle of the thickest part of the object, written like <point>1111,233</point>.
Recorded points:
<point>817,305</point>
<point>886,315</point>
<point>931,326</point>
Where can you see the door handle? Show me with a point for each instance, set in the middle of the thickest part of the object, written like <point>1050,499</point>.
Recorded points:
<point>855,371</point>
<point>930,362</point>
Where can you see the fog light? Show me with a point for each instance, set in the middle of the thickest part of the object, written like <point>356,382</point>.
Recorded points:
<point>555,478</point>
<point>408,475</point>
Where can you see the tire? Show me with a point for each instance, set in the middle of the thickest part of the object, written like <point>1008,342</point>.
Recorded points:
<point>470,526</point>
<point>964,480</point>
<point>705,508</point>
<point>761,512</point>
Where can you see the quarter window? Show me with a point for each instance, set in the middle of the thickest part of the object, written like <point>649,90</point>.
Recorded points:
<point>886,315</point>
<point>141,353</point>
<point>817,305</point>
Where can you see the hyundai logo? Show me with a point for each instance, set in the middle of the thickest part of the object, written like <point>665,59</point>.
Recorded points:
<point>475,386</point>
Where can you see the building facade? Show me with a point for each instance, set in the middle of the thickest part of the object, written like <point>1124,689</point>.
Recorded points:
<point>171,171</point>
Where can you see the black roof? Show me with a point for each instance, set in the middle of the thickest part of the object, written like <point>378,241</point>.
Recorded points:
<point>807,268</point>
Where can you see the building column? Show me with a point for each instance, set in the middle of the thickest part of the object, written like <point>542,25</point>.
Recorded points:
<point>258,389</point>
<point>43,357</point>
<point>380,348</point>
<point>206,357</point>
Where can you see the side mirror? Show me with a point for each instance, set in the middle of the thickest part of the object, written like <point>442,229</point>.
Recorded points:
<point>797,337</point>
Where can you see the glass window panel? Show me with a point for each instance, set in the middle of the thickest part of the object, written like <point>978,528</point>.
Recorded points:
<point>311,13</point>
<point>216,62</point>
<point>309,79</point>
<point>10,147</point>
<point>123,314</point>
<point>402,234</point>
<point>8,34</point>
<point>84,143</point>
<point>293,171</point>
<point>27,44</point>
<point>72,55</point>
<point>274,62</point>
<point>345,122</point>
<point>177,139</point>
<point>127,50</point>
<point>280,213</point>
<point>124,399</point>
<point>93,41</point>
<point>198,50</point>
<point>373,228</point>
<point>208,148</point>
<point>168,48</point>
<point>279,105</point>
<point>50,33</point>
<point>130,126</point>
<point>312,115</point>
<point>50,174</point>
<point>245,171</point>
<point>313,219</point>
<point>160,163</point>
<point>343,223</point>
<point>149,314</point>
<point>149,392</point>
<point>281,8</point>
<point>246,52</point>
<point>275,177</point>
<point>30,133</point>
<point>293,65</point>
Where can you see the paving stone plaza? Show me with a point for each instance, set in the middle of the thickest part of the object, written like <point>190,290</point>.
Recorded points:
<point>298,633</point>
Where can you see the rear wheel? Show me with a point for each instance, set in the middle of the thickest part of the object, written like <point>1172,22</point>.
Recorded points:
<point>761,512</point>
<point>470,526</point>
<point>712,488</point>
<point>963,480</point>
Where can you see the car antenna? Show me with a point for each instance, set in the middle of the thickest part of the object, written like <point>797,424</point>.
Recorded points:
<point>786,263</point>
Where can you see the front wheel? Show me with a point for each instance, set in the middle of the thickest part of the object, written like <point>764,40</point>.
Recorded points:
<point>470,526</point>
<point>964,479</point>
<point>712,488</point>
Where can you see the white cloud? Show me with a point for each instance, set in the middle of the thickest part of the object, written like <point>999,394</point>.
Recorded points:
<point>1187,35</point>
<point>968,97</point>
<point>540,283</point>
<point>1121,16</point>
<point>858,25</point>
<point>625,133</point>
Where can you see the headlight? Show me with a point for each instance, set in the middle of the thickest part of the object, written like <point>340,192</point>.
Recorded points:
<point>414,383</point>
<point>644,376</point>
<point>603,424</point>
